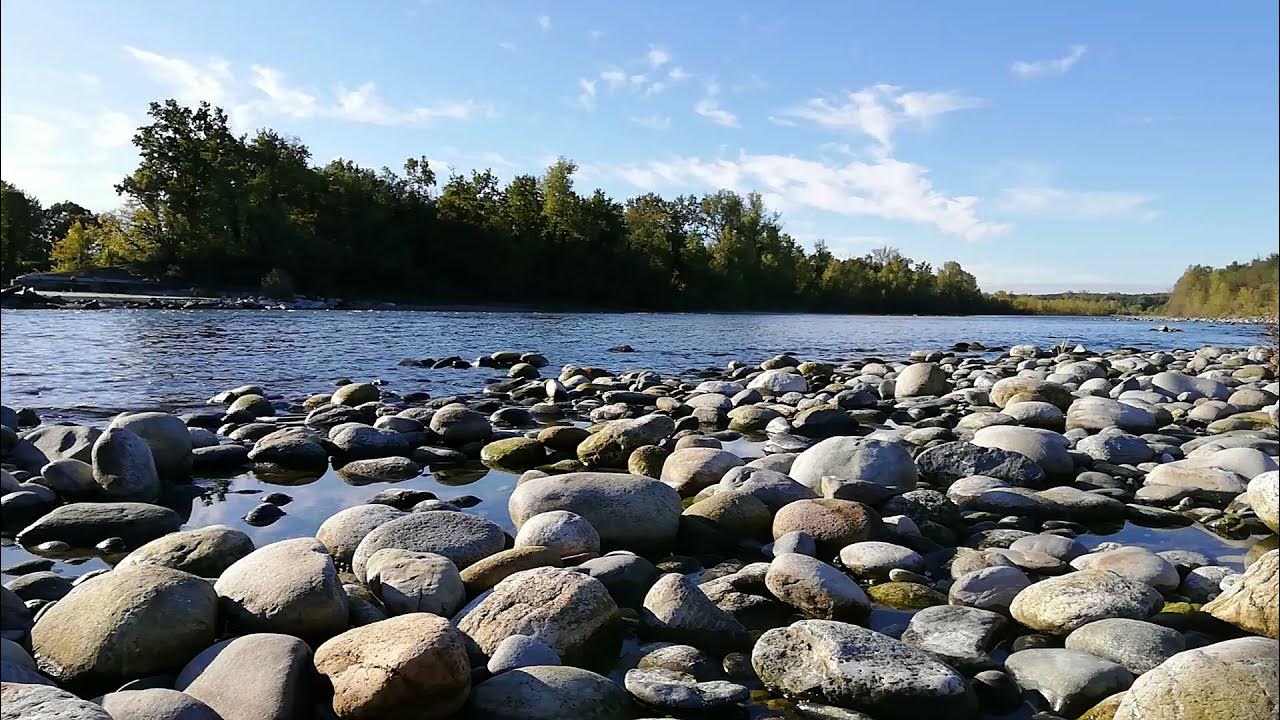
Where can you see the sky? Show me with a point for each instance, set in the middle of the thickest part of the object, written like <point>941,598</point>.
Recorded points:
<point>1046,147</point>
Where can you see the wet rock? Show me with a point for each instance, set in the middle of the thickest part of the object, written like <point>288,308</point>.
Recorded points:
<point>87,524</point>
<point>353,394</point>
<point>292,448</point>
<point>165,435</point>
<point>412,666</point>
<point>851,667</point>
<point>93,636</point>
<point>518,453</point>
<point>289,587</point>
<point>123,466</point>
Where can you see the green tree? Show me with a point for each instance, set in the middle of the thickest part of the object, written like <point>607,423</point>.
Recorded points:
<point>20,219</point>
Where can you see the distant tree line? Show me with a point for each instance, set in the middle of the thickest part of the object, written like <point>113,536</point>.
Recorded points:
<point>1078,303</point>
<point>214,209</point>
<point>1237,290</point>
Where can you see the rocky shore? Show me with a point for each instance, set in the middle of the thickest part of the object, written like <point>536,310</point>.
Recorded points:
<point>872,539</point>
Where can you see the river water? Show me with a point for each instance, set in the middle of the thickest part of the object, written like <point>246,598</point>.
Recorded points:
<point>87,366</point>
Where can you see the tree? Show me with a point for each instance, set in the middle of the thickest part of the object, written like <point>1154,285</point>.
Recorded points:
<point>20,219</point>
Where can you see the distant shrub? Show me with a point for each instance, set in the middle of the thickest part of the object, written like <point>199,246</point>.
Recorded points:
<point>278,284</point>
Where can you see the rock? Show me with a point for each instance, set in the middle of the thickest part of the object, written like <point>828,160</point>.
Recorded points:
<point>166,436</point>
<point>613,444</point>
<point>1252,604</point>
<point>692,469</point>
<point>93,636</point>
<point>771,487</point>
<point>411,666</point>
<point>1264,497</point>
<point>1204,583</point>
<point>831,523</point>
<point>21,701</point>
<point>560,531</point>
<point>251,677</point>
<point>921,379</point>
<point>957,635</point>
<point>1232,679</point>
<point>40,585</point>
<point>943,464</point>
<point>1059,605</point>
<point>815,588</point>
<point>15,618</point>
<point>123,466</point>
<point>357,441</point>
<point>68,477</point>
<point>518,453</point>
<point>751,418</point>
<point>353,394</point>
<point>726,516</point>
<point>991,588</point>
<point>626,575</point>
<point>873,559</point>
<point>905,595</point>
<point>677,610</point>
<point>628,511</point>
<point>205,552</point>
<point>16,666</point>
<point>415,582</point>
<point>289,587</point>
<point>851,667</point>
<point>568,611</point>
<point>292,448</point>
<point>1035,414</point>
<point>461,537</point>
<point>779,382</point>
<point>549,692</point>
<point>1070,681</point>
<point>1208,482</point>
<point>518,651</point>
<point>1138,646</point>
<point>375,470</point>
<point>1027,388</point>
<point>672,690</point>
<point>1096,413</point>
<point>156,704</point>
<point>562,437</point>
<point>1134,563</point>
<point>342,532</point>
<point>1176,384</point>
<point>87,524</point>
<point>486,573</point>
<point>1048,449</point>
<point>253,405</point>
<point>1116,448</point>
<point>57,442</point>
<point>886,464</point>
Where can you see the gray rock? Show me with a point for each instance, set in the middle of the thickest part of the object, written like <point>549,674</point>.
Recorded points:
<point>671,690</point>
<point>1263,493</point>
<point>692,469</point>
<point>1096,413</point>
<point>375,470</point>
<point>1059,605</point>
<point>815,588</point>
<point>874,559</point>
<point>87,524</point>
<point>357,441</point>
<point>886,464</point>
<point>518,651</point>
<point>560,531</point>
<point>252,677</point>
<point>93,635</point>
<point>1232,679</point>
<point>70,478</point>
<point>851,667</point>
<point>410,582</point>
<point>628,511</point>
<point>1137,645</point>
<point>613,444</point>
<point>943,464</point>
<point>1070,681</point>
<point>992,588</point>
<point>461,537</point>
<point>549,692</point>
<point>205,551</point>
<point>19,701</point>
<point>675,609</point>
<point>1049,449</point>
<point>123,466</point>
<point>167,437</point>
<point>289,587</point>
<point>57,442</point>
<point>342,532</point>
<point>957,635</point>
<point>771,487</point>
<point>156,704</point>
<point>1133,563</point>
<point>292,448</point>
<point>921,379</point>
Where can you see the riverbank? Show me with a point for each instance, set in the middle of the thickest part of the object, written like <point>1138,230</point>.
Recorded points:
<point>1069,525</point>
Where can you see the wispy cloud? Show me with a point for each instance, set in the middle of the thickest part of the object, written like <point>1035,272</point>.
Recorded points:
<point>508,46</point>
<point>587,98</point>
<point>544,22</point>
<point>1064,204</point>
<point>1053,66</point>
<point>885,188</point>
<point>709,108</point>
<point>274,96</point>
<point>657,56</point>
<point>653,122</point>
<point>877,111</point>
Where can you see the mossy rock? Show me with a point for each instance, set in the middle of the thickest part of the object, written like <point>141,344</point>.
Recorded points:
<point>518,453</point>
<point>906,595</point>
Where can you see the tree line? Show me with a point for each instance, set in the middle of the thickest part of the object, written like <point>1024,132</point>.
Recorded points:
<point>1238,290</point>
<point>210,208</point>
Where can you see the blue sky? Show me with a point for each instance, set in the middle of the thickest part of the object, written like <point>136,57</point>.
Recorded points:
<point>1046,147</point>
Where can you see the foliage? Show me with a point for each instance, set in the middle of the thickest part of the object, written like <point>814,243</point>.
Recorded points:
<point>1237,290</point>
<point>278,284</point>
<point>1083,303</point>
<point>20,218</point>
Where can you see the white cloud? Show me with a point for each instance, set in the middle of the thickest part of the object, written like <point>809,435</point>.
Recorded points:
<point>885,188</point>
<point>877,111</point>
<point>31,131</point>
<point>283,99</point>
<point>544,22</point>
<point>678,73</point>
<point>190,83</point>
<point>653,122</point>
<point>365,105</point>
<point>709,107</point>
<point>508,46</point>
<point>587,98</point>
<point>614,78</point>
<point>1055,66</point>
<point>69,156</point>
<point>1062,204</point>
<point>114,129</point>
<point>657,56</point>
